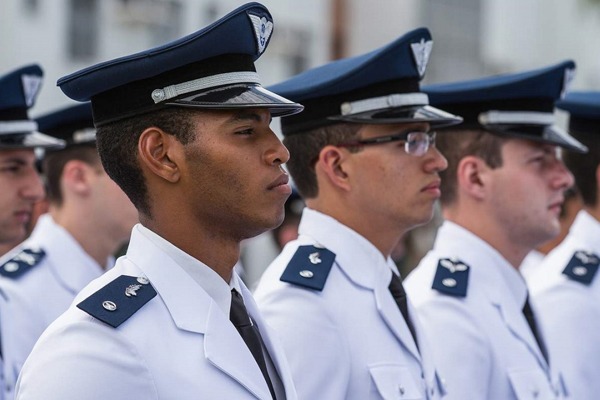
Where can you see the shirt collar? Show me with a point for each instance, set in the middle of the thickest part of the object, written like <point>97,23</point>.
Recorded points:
<point>355,255</point>
<point>203,275</point>
<point>587,230</point>
<point>488,268</point>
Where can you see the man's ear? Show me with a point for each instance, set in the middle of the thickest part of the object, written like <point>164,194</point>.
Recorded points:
<point>160,153</point>
<point>471,176</point>
<point>331,164</point>
<point>76,177</point>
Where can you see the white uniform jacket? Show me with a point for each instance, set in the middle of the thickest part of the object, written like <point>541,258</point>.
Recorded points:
<point>42,293</point>
<point>483,346</point>
<point>568,306</point>
<point>348,340</point>
<point>180,345</point>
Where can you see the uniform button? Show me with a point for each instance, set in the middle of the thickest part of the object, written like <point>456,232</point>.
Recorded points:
<point>11,266</point>
<point>109,305</point>
<point>580,271</point>
<point>143,280</point>
<point>449,282</point>
<point>306,274</point>
<point>401,390</point>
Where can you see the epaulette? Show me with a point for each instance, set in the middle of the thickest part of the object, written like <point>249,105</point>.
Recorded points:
<point>119,299</point>
<point>22,262</point>
<point>582,267</point>
<point>451,277</point>
<point>309,267</point>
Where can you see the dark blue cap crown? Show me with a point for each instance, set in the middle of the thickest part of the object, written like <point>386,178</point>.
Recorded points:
<point>584,111</point>
<point>378,87</point>
<point>73,124</point>
<point>211,68</point>
<point>518,105</point>
<point>19,90</point>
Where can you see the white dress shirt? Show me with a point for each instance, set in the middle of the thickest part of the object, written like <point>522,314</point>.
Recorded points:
<point>44,292</point>
<point>180,345</point>
<point>348,341</point>
<point>483,346</point>
<point>569,310</point>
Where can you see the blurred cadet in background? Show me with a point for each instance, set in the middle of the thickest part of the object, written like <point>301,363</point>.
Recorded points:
<point>566,288</point>
<point>363,158</point>
<point>184,130</point>
<point>20,184</point>
<point>89,218</point>
<point>501,197</point>
<point>288,230</point>
<point>39,208</point>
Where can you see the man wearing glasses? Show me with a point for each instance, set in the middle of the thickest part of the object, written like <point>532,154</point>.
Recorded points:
<point>501,198</point>
<point>363,157</point>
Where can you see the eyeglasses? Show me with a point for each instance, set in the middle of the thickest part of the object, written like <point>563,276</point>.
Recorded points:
<point>415,143</point>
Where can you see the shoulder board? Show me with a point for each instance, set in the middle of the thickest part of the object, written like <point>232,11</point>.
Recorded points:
<point>451,277</point>
<point>119,300</point>
<point>22,262</point>
<point>309,267</point>
<point>582,267</point>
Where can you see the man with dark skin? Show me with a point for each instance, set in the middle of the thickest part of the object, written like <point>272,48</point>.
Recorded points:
<point>184,130</point>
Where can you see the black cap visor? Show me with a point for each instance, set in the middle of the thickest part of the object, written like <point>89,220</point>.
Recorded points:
<point>551,134</point>
<point>239,95</point>
<point>29,140</point>
<point>403,115</point>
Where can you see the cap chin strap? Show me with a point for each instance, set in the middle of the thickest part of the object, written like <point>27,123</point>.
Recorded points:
<point>169,92</point>
<point>383,102</point>
<point>516,118</point>
<point>17,126</point>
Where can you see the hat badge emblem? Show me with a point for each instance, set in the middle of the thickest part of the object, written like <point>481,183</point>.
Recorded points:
<point>263,29</point>
<point>421,51</point>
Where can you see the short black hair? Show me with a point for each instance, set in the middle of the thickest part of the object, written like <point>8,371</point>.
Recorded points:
<point>118,148</point>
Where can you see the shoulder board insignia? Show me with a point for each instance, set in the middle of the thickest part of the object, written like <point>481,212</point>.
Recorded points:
<point>582,267</point>
<point>309,267</point>
<point>22,262</point>
<point>119,300</point>
<point>451,277</point>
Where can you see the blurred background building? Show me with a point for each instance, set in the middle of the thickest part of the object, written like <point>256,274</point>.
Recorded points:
<point>472,38</point>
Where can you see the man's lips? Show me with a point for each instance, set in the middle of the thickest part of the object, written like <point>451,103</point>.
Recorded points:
<point>433,186</point>
<point>23,215</point>
<point>556,206</point>
<point>281,184</point>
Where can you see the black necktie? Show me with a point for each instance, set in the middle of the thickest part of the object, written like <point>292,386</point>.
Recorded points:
<point>398,293</point>
<point>241,320</point>
<point>530,317</point>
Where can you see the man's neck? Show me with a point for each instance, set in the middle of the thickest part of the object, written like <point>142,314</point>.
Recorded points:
<point>490,232</point>
<point>218,252</point>
<point>98,245</point>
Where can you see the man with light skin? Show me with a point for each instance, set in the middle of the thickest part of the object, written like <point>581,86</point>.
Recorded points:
<point>566,288</point>
<point>89,219</point>
<point>184,130</point>
<point>20,184</point>
<point>501,197</point>
<point>363,157</point>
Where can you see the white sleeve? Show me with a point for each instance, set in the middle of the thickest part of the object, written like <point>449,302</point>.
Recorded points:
<point>84,359</point>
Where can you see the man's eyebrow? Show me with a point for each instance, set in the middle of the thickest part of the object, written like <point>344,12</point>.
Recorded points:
<point>245,116</point>
<point>13,160</point>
